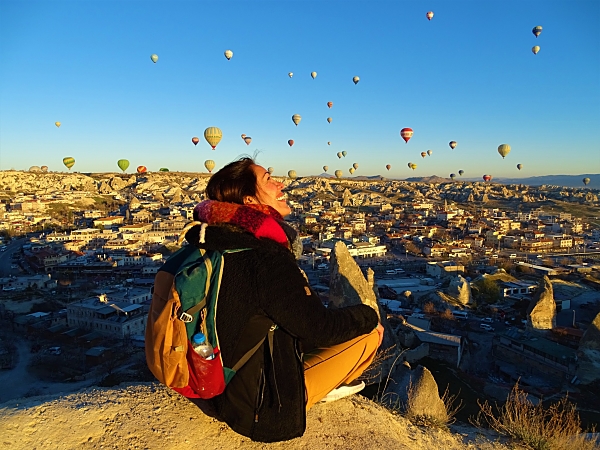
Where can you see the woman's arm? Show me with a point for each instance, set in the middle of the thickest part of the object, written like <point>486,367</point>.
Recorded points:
<point>285,296</point>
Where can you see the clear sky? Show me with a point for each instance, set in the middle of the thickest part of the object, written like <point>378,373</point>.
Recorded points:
<point>468,75</point>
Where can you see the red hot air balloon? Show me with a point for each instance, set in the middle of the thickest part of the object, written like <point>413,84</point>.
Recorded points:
<point>141,169</point>
<point>291,142</point>
<point>329,104</point>
<point>195,140</point>
<point>487,178</point>
<point>406,134</point>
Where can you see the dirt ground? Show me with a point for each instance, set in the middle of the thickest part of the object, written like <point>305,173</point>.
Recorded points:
<point>149,416</point>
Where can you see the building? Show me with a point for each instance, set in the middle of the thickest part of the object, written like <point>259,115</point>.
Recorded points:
<point>444,269</point>
<point>535,355</point>
<point>111,319</point>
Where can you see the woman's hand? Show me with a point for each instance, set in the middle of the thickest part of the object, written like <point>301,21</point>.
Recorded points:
<point>380,331</point>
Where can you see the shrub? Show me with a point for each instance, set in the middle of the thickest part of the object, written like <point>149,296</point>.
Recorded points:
<point>557,427</point>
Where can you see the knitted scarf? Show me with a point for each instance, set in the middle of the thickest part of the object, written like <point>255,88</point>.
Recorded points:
<point>261,220</point>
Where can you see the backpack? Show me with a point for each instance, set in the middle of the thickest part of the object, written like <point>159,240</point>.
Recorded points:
<point>184,301</point>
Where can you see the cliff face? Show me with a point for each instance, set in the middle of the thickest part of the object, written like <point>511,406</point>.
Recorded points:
<point>150,416</point>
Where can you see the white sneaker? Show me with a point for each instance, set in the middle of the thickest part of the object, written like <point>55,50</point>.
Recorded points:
<point>344,391</point>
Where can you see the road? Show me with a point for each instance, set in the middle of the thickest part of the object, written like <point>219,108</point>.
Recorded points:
<point>18,382</point>
<point>6,256</point>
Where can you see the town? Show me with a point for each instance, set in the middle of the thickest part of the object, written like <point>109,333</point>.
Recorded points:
<point>497,283</point>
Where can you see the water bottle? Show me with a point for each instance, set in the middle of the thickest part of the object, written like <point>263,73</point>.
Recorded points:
<point>202,346</point>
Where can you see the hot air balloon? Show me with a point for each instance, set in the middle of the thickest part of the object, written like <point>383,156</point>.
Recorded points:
<point>339,155</point>
<point>325,168</point>
<point>270,170</point>
<point>35,169</point>
<point>195,140</point>
<point>142,169</point>
<point>429,15</point>
<point>329,104</point>
<point>290,74</point>
<point>296,118</point>
<point>423,154</point>
<point>388,166</point>
<point>69,162</point>
<point>213,136</point>
<point>355,165</point>
<point>406,134</point>
<point>537,30</point>
<point>329,119</point>
<point>313,75</point>
<point>429,152</point>
<point>328,142</point>
<point>243,136</point>
<point>519,166</point>
<point>452,175</point>
<point>163,169</point>
<point>535,49</point>
<point>338,174</point>
<point>586,181</point>
<point>356,80</point>
<point>247,140</point>
<point>452,144</point>
<point>57,124</point>
<point>123,164</point>
<point>228,54</point>
<point>487,178</point>
<point>209,164</point>
<point>344,153</point>
<point>410,165</point>
<point>413,166</point>
<point>292,174</point>
<point>154,58</point>
<point>460,172</point>
<point>291,142</point>
<point>504,149</point>
<point>44,168</point>
<point>351,170</point>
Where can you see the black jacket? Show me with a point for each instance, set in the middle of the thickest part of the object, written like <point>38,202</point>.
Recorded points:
<point>265,400</point>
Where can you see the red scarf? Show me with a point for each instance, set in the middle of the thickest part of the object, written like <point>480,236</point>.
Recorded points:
<point>260,220</point>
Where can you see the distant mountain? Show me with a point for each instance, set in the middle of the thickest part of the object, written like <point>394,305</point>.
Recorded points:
<point>431,179</point>
<point>556,180</point>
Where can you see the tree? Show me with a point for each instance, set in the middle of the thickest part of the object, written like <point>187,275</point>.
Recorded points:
<point>429,308</point>
<point>487,290</point>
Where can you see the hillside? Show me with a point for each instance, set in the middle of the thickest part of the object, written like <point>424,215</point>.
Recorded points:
<point>149,416</point>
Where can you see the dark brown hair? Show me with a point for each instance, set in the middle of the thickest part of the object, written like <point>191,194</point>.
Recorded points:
<point>233,182</point>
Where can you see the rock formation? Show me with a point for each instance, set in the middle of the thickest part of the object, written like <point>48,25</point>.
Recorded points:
<point>416,392</point>
<point>461,289</point>
<point>541,314</point>
<point>588,370</point>
<point>347,285</point>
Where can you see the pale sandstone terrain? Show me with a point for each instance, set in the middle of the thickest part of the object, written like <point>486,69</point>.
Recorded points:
<point>150,416</point>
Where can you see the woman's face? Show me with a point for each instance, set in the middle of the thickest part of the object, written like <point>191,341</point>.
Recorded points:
<point>268,191</point>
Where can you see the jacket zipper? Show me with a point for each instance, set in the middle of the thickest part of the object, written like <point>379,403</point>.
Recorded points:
<point>260,393</point>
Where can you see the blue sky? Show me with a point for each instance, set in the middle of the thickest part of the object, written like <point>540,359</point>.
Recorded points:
<point>468,75</point>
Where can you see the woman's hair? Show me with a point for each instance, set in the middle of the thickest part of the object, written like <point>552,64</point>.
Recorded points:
<point>233,182</point>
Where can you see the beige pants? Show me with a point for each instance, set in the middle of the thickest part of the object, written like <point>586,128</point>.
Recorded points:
<point>328,368</point>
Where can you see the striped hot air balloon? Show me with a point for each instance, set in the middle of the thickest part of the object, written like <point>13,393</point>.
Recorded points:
<point>292,174</point>
<point>209,164</point>
<point>213,136</point>
<point>141,169</point>
<point>69,162</point>
<point>406,134</point>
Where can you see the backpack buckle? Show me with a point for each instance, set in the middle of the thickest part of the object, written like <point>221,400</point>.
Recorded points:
<point>185,317</point>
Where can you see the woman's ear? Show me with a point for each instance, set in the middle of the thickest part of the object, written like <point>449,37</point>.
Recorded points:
<point>248,200</point>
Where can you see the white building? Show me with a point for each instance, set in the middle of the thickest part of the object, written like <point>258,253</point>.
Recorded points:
<point>111,319</point>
